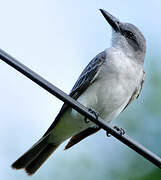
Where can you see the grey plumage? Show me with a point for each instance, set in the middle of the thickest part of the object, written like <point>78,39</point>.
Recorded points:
<point>87,77</point>
<point>39,152</point>
<point>109,83</point>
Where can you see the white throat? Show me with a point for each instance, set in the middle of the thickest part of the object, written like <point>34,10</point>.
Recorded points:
<point>119,42</point>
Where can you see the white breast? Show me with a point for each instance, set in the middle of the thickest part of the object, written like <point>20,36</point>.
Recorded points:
<point>112,89</point>
<point>117,80</point>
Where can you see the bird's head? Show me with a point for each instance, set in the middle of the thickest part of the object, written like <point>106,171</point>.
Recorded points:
<point>127,37</point>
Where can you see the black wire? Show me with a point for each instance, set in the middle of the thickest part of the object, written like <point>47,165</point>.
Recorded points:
<point>80,108</point>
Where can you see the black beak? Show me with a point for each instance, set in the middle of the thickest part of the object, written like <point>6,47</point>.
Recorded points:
<point>114,22</point>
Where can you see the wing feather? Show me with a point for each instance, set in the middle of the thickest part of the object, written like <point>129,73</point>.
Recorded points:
<point>85,79</point>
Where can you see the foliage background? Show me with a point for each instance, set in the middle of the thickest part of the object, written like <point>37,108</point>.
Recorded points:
<point>57,39</point>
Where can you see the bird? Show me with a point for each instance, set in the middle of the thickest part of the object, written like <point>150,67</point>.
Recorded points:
<point>108,84</point>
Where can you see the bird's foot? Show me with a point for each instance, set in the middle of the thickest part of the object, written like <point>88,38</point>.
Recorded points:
<point>95,113</point>
<point>121,131</point>
<point>86,120</point>
<point>108,134</point>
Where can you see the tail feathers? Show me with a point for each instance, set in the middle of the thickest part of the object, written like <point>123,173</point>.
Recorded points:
<point>35,156</point>
<point>40,159</point>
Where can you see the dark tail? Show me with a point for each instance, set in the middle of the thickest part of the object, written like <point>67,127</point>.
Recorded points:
<point>35,156</point>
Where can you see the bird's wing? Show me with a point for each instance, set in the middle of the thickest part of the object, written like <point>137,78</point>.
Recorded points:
<point>87,77</point>
<point>89,131</point>
<point>136,93</point>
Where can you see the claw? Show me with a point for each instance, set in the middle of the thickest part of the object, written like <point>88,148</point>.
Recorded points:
<point>120,130</point>
<point>107,134</point>
<point>93,112</point>
<point>86,120</point>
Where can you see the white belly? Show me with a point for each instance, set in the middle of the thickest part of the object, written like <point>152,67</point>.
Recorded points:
<point>112,91</point>
<point>108,95</point>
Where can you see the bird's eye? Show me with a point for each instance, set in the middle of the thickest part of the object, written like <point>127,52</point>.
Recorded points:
<point>129,34</point>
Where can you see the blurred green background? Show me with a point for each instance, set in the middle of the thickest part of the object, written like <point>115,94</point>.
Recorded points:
<point>57,39</point>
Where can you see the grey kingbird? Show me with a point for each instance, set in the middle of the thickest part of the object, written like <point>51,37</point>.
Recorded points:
<point>109,83</point>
